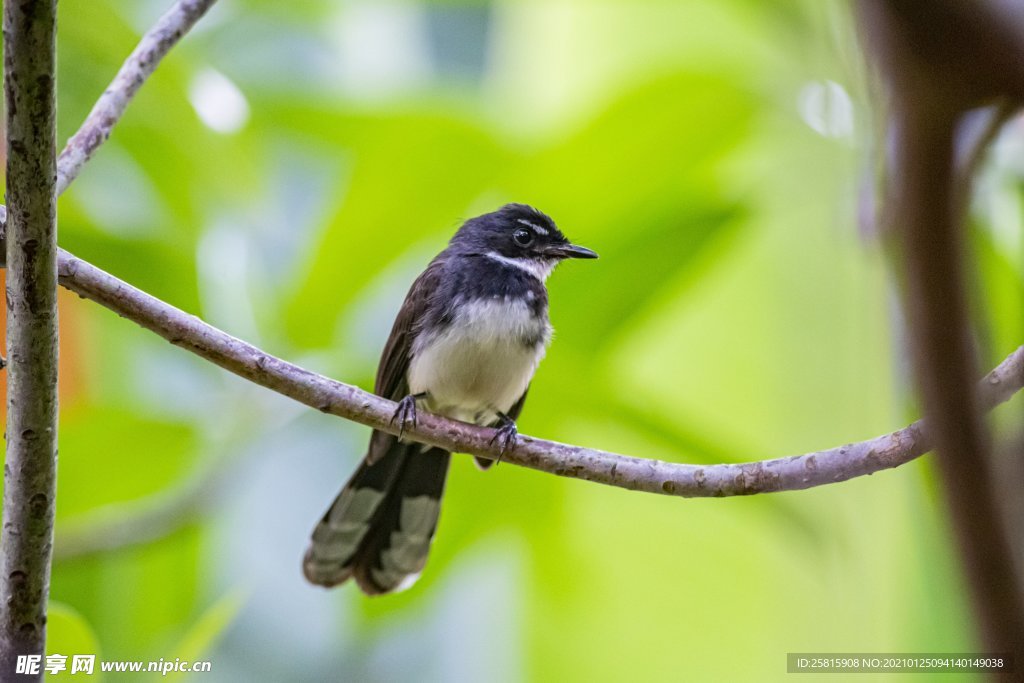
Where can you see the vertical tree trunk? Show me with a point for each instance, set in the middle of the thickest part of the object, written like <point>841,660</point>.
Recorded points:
<point>939,60</point>
<point>31,431</point>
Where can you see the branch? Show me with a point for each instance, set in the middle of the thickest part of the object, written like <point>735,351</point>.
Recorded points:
<point>30,469</point>
<point>939,334</point>
<point>139,66</point>
<point>636,474</point>
<point>938,62</point>
<point>975,135</point>
<point>963,54</point>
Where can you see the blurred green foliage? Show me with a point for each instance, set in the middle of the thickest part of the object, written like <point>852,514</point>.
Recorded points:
<point>737,313</point>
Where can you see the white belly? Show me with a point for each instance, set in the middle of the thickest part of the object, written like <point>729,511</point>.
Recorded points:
<point>479,365</point>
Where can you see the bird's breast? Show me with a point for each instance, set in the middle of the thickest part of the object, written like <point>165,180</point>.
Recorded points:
<point>482,361</point>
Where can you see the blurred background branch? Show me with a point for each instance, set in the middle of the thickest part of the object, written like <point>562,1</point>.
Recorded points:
<point>974,138</point>
<point>123,525</point>
<point>938,62</point>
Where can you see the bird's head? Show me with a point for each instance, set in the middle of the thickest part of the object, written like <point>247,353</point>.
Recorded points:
<point>521,235</point>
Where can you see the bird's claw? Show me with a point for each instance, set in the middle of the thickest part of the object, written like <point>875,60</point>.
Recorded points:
<point>405,414</point>
<point>506,434</point>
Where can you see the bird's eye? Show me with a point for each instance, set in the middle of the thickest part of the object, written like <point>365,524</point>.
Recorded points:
<point>523,237</point>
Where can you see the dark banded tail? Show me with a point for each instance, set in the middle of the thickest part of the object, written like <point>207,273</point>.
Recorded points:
<point>379,528</point>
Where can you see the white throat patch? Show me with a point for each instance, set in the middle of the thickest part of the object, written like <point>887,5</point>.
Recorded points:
<point>538,269</point>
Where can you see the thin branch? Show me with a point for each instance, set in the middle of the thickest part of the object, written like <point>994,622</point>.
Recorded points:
<point>975,135</point>
<point>139,66</point>
<point>636,474</point>
<point>30,469</point>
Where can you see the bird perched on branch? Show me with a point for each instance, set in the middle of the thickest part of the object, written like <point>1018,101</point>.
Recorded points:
<point>465,345</point>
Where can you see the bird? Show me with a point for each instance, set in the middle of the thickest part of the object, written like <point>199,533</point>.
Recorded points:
<point>465,344</point>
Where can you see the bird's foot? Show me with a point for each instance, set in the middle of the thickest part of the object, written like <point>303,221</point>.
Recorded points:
<point>505,434</point>
<point>405,413</point>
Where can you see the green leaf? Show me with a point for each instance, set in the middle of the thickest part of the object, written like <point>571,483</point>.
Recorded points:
<point>208,629</point>
<point>68,633</point>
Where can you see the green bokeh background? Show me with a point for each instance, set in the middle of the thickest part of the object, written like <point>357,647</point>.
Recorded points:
<point>712,151</point>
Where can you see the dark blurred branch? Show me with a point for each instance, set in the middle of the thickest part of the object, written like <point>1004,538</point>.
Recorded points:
<point>637,474</point>
<point>139,66</point>
<point>939,60</point>
<point>30,468</point>
<point>954,55</point>
<point>1009,467</point>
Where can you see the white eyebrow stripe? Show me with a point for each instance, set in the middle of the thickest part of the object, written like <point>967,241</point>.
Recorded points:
<point>538,269</point>
<point>543,231</point>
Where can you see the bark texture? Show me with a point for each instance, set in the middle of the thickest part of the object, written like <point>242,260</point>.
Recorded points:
<point>31,461</point>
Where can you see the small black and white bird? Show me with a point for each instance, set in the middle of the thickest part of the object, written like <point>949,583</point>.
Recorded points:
<point>465,344</point>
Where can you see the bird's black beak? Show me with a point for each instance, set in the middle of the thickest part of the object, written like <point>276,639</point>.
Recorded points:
<point>570,251</point>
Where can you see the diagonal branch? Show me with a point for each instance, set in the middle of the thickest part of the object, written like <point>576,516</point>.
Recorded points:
<point>30,467</point>
<point>636,474</point>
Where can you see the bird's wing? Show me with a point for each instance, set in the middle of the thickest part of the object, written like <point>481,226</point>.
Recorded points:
<point>517,407</point>
<point>394,361</point>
